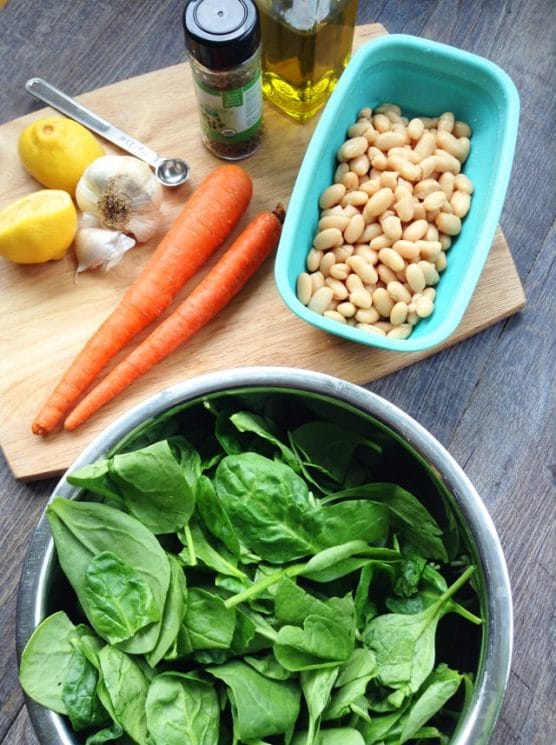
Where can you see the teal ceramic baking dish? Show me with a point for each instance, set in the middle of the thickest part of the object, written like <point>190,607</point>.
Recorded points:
<point>424,78</point>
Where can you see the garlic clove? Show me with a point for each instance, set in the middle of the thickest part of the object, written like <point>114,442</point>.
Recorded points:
<point>123,193</point>
<point>87,220</point>
<point>100,248</point>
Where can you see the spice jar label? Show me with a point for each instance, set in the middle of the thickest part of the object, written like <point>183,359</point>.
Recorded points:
<point>231,115</point>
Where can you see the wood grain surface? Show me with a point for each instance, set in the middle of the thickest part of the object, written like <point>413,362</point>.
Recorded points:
<point>488,399</point>
<point>256,328</point>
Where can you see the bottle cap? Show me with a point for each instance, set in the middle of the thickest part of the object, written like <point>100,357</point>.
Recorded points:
<point>221,34</point>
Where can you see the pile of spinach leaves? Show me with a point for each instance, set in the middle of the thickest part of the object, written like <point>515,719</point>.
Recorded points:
<point>257,570</point>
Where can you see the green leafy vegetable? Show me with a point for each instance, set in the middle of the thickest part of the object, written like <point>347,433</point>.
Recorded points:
<point>260,706</point>
<point>119,600</point>
<point>50,647</point>
<point>182,710</point>
<point>247,580</point>
<point>404,644</point>
<point>82,530</point>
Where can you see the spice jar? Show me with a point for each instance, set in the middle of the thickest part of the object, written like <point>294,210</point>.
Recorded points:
<point>223,41</point>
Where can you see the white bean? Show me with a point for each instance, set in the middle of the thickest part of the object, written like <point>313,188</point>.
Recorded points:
<point>333,315</point>
<point>415,277</point>
<point>353,147</point>
<point>331,195</point>
<point>415,128</point>
<point>320,300</point>
<point>415,230</point>
<point>392,259</point>
<point>383,302</point>
<point>400,332</point>
<point>460,203</point>
<point>347,309</point>
<point>449,224</point>
<point>314,258</point>
<point>386,140</point>
<point>398,292</point>
<point>329,238</point>
<point>378,203</point>
<point>424,306</point>
<point>364,270</point>
<point>367,315</point>
<point>361,298</point>
<point>338,288</point>
<point>398,314</point>
<point>304,288</point>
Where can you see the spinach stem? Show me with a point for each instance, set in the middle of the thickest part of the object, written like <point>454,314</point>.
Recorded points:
<point>263,584</point>
<point>190,545</point>
<point>460,581</point>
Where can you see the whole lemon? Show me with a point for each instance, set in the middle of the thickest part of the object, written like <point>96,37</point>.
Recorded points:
<point>38,227</point>
<point>56,151</point>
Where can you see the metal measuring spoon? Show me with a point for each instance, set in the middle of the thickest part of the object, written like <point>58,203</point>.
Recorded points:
<point>169,171</point>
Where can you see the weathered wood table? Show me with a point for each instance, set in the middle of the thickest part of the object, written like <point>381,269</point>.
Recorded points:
<point>488,399</point>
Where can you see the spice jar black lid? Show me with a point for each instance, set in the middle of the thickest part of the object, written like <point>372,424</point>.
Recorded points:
<point>221,34</point>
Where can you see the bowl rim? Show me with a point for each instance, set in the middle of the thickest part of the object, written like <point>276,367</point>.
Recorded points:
<point>441,331</point>
<point>476,726</point>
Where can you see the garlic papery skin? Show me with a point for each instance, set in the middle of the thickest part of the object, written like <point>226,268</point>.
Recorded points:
<point>123,193</point>
<point>100,248</point>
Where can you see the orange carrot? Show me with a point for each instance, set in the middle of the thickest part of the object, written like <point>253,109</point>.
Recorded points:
<point>206,220</point>
<point>216,289</point>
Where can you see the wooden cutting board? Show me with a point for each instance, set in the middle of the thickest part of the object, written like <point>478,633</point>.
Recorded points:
<point>47,315</point>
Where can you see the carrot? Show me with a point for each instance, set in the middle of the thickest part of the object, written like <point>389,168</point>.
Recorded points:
<point>205,221</point>
<point>216,289</point>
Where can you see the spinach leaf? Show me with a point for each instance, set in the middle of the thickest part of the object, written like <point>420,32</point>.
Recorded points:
<point>154,486</point>
<point>96,478</point>
<point>119,601</point>
<point>269,667</point>
<point>113,732</point>
<point>438,689</point>
<point>408,516</point>
<point>320,643</point>
<point>337,561</point>
<point>82,530</point>
<point>357,520</point>
<point>405,644</point>
<point>261,707</point>
<point>247,422</point>
<point>208,623</point>
<point>214,516</point>
<point>123,688</point>
<point>293,604</point>
<point>182,710</point>
<point>221,561</point>
<point>332,736</point>
<point>316,686</point>
<point>269,506</point>
<point>172,616</point>
<point>79,691</point>
<point>329,447</point>
<point>47,659</point>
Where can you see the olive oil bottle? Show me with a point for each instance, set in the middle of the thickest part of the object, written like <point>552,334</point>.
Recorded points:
<point>305,46</point>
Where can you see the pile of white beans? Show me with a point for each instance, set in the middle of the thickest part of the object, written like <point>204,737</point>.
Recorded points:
<point>386,223</point>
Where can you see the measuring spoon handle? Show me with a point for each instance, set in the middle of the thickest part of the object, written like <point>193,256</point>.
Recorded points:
<point>75,110</point>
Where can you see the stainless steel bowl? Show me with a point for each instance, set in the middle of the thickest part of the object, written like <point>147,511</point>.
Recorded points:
<point>40,570</point>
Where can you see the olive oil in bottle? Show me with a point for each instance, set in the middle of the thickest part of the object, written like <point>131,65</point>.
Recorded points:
<point>306,45</point>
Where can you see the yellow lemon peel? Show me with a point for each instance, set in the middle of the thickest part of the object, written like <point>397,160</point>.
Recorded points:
<point>38,227</point>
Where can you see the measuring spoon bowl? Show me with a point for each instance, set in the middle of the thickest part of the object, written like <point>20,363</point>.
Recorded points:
<point>171,172</point>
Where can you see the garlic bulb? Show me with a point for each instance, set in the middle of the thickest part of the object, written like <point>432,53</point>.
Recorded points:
<point>99,247</point>
<point>123,193</point>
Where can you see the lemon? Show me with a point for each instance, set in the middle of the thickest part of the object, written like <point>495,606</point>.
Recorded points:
<point>38,227</point>
<point>56,151</point>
